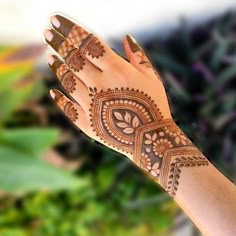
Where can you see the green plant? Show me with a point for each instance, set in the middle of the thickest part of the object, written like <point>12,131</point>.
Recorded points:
<point>21,149</point>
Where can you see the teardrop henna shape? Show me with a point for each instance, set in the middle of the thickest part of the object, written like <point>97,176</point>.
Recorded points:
<point>123,111</point>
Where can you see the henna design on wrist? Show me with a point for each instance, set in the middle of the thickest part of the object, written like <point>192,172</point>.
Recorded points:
<point>93,46</point>
<point>166,149</point>
<point>131,122</point>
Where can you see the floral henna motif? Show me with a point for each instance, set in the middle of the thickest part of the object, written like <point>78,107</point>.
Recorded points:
<point>67,78</point>
<point>132,123</point>
<point>75,60</point>
<point>164,144</point>
<point>68,82</point>
<point>65,105</point>
<point>92,45</point>
<point>70,111</point>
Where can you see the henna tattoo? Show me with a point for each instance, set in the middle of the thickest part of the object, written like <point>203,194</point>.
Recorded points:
<point>60,69</point>
<point>67,106</point>
<point>132,123</point>
<point>79,37</point>
<point>134,46</point>
<point>139,52</point>
<point>164,145</point>
<point>70,111</point>
<point>65,48</point>
<point>93,46</point>
<point>67,78</point>
<point>75,60</point>
<point>176,170</point>
<point>74,33</point>
<point>123,111</point>
<point>68,82</point>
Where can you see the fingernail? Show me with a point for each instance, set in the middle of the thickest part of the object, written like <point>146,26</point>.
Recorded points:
<point>65,25</point>
<point>55,22</point>
<point>55,94</point>
<point>134,46</point>
<point>48,35</point>
<point>51,59</point>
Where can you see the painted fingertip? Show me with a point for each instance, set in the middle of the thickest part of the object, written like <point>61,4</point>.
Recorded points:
<point>55,22</point>
<point>48,35</point>
<point>55,94</point>
<point>65,25</point>
<point>52,94</point>
<point>134,46</point>
<point>130,37</point>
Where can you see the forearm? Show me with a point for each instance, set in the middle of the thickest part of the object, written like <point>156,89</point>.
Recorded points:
<point>204,193</point>
<point>209,199</point>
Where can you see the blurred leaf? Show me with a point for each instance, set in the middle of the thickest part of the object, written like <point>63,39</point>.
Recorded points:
<point>32,141</point>
<point>38,89</point>
<point>25,56</point>
<point>21,173</point>
<point>7,79</point>
<point>169,63</point>
<point>10,100</point>
<point>180,92</point>
<point>218,55</point>
<point>224,77</point>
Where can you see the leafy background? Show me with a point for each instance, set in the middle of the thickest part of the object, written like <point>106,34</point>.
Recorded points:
<point>56,181</point>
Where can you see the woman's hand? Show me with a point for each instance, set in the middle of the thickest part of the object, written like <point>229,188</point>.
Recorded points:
<point>124,106</point>
<point>118,103</point>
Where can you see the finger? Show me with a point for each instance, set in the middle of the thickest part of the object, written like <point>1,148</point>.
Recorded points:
<point>72,110</point>
<point>138,58</point>
<point>83,68</point>
<point>94,49</point>
<point>69,81</point>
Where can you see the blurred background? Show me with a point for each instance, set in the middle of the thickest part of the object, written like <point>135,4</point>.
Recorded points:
<point>55,181</point>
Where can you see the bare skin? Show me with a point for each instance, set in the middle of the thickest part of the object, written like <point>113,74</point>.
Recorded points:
<point>124,106</point>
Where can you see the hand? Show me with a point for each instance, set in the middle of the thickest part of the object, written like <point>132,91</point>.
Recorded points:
<point>118,103</point>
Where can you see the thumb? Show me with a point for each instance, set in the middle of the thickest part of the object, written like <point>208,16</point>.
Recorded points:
<point>138,58</point>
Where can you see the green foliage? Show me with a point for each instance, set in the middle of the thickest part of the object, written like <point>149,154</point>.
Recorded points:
<point>30,141</point>
<point>21,166</point>
<point>83,211</point>
<point>21,170</point>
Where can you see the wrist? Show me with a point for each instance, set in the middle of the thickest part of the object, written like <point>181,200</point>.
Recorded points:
<point>162,150</point>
